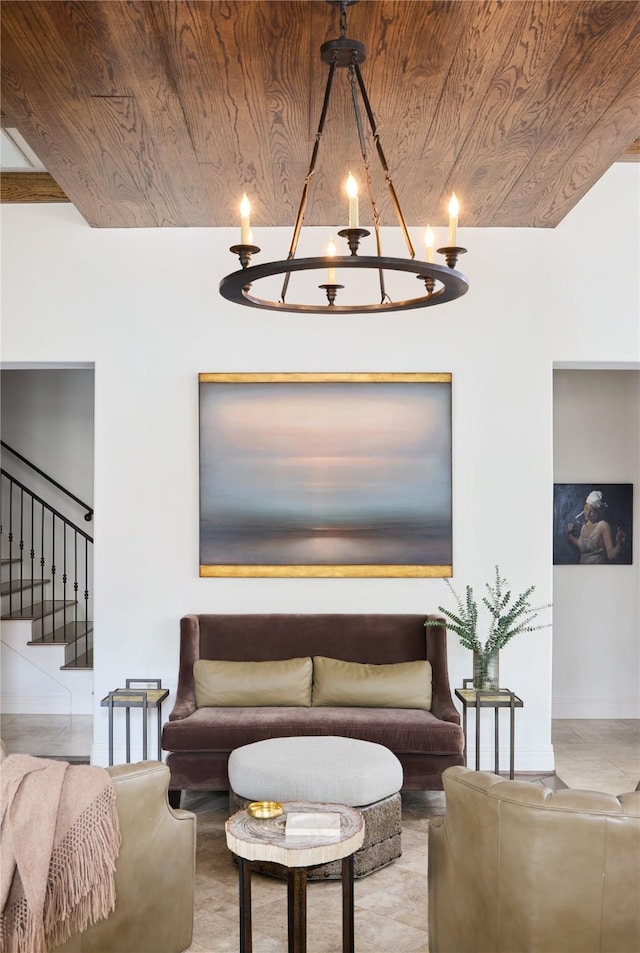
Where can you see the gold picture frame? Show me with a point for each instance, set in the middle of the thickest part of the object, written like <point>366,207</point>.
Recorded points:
<point>328,475</point>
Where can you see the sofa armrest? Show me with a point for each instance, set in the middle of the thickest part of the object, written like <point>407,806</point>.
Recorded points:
<point>446,712</point>
<point>442,705</point>
<point>185,703</point>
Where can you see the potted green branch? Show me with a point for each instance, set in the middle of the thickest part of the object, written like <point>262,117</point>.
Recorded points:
<point>507,618</point>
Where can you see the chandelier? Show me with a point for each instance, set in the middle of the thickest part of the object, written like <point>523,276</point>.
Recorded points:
<point>441,282</point>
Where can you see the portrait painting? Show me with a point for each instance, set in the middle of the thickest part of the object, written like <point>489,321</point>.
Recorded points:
<point>592,524</point>
<point>325,475</point>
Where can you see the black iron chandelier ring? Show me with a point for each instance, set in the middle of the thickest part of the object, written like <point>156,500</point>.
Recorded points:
<point>237,287</point>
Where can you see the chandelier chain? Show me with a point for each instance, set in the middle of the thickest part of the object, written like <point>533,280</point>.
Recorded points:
<point>343,20</point>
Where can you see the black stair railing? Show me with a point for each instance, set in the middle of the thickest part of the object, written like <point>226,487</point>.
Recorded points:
<point>88,515</point>
<point>50,540</point>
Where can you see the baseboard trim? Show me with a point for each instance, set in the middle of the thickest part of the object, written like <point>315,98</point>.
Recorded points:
<point>595,707</point>
<point>60,703</point>
<point>527,760</point>
<point>100,752</point>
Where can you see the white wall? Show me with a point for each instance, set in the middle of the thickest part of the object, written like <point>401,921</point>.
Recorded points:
<point>144,306</point>
<point>596,652</point>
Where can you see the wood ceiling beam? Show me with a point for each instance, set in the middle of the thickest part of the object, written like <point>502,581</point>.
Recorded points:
<point>632,153</point>
<point>30,187</point>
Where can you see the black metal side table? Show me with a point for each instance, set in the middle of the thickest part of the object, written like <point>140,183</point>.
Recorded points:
<point>479,699</point>
<point>129,698</point>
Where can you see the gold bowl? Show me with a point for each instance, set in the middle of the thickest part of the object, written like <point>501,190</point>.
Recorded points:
<point>265,809</point>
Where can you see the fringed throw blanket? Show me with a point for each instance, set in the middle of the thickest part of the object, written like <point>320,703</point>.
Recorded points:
<point>59,837</point>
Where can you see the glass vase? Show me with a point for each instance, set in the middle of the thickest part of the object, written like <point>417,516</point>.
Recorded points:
<point>486,671</point>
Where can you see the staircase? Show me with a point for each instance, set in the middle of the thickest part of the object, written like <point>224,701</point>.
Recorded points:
<point>47,632</point>
<point>47,620</point>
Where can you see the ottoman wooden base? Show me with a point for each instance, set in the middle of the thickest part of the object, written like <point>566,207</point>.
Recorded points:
<point>382,840</point>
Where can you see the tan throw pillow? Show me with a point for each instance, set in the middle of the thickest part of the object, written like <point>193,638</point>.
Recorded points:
<point>285,682</point>
<point>357,685</point>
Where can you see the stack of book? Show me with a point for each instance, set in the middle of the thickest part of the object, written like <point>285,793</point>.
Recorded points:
<point>312,824</point>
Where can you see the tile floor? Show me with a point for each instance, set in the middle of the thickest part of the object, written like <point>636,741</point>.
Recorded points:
<point>597,754</point>
<point>390,914</point>
<point>52,736</point>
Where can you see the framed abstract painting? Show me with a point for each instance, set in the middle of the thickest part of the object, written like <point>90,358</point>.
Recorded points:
<point>325,475</point>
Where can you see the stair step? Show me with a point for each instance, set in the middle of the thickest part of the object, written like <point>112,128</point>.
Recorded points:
<point>65,635</point>
<point>9,562</point>
<point>17,585</point>
<point>39,611</point>
<point>74,636</point>
<point>84,661</point>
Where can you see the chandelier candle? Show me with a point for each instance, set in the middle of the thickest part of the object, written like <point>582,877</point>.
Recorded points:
<point>331,253</point>
<point>245,224</point>
<point>454,208</point>
<point>429,242</point>
<point>352,192</point>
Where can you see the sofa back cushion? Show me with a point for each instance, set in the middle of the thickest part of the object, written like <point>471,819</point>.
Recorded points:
<point>284,682</point>
<point>357,685</point>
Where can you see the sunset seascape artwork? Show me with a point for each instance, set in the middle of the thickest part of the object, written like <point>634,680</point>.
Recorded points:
<point>325,473</point>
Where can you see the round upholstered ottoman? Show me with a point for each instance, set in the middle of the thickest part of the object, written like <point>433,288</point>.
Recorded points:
<point>331,770</point>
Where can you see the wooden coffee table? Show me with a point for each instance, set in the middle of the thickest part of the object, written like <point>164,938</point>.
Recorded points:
<point>265,840</point>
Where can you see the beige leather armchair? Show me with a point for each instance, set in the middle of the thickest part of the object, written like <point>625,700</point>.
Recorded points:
<point>155,870</point>
<point>515,867</point>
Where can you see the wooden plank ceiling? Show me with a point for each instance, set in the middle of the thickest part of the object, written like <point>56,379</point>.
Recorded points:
<point>161,113</point>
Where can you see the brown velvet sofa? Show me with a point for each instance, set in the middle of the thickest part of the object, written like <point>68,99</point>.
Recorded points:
<point>199,740</point>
